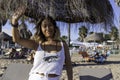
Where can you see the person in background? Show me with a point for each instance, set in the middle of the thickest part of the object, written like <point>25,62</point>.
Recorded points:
<point>50,52</point>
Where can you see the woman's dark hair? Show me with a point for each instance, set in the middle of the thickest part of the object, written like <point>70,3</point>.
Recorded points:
<point>39,35</point>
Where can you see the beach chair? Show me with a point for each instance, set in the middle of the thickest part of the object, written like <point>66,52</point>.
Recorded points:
<point>86,57</point>
<point>95,74</point>
<point>101,58</point>
<point>97,58</point>
<point>17,71</point>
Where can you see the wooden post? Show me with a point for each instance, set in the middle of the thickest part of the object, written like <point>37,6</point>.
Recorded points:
<point>0,28</point>
<point>69,34</point>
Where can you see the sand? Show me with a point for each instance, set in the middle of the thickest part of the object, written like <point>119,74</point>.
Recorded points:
<point>112,63</point>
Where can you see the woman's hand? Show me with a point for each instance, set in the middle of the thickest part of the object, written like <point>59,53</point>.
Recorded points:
<point>17,14</point>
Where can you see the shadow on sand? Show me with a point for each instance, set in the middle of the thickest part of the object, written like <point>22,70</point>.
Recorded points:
<point>88,77</point>
<point>94,63</point>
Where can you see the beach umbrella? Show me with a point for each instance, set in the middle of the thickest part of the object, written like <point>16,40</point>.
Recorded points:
<point>94,37</point>
<point>117,2</point>
<point>70,11</point>
<point>4,39</point>
<point>4,36</point>
<point>24,31</point>
<point>3,21</point>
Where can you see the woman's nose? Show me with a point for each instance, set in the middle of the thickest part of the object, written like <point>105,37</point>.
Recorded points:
<point>47,27</point>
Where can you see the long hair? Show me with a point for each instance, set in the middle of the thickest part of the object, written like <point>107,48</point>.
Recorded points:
<point>39,36</point>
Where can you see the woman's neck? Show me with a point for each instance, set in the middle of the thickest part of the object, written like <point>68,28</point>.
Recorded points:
<point>50,40</point>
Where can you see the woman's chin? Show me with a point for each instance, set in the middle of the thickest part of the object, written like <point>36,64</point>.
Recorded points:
<point>49,36</point>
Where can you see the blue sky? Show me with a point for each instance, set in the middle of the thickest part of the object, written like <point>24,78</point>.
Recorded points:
<point>74,27</point>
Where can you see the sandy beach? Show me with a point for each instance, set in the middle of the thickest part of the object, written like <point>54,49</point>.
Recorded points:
<point>112,63</point>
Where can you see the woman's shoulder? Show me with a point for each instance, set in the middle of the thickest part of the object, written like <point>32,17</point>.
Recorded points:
<point>61,42</point>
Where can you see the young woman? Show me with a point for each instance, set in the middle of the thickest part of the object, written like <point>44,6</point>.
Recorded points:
<point>51,53</point>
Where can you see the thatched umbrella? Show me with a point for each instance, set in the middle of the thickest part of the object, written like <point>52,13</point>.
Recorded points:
<point>70,11</point>
<point>95,37</point>
<point>94,11</point>
<point>3,21</point>
<point>5,39</point>
<point>117,2</point>
<point>4,36</point>
<point>24,31</point>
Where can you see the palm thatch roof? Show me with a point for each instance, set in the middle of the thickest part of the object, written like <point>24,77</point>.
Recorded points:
<point>4,36</point>
<point>94,37</point>
<point>117,2</point>
<point>24,32</point>
<point>71,11</point>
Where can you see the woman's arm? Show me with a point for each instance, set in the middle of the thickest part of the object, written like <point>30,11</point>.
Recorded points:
<point>24,42</point>
<point>15,32</point>
<point>68,63</point>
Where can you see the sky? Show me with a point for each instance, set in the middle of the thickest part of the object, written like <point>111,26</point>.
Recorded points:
<point>74,27</point>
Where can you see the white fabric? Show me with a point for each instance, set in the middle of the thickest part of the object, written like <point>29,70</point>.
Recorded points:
<point>48,63</point>
<point>38,77</point>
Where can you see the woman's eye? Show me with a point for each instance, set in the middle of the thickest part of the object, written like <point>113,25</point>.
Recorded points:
<point>50,25</point>
<point>44,26</point>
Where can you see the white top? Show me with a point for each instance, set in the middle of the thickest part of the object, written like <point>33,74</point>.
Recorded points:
<point>48,63</point>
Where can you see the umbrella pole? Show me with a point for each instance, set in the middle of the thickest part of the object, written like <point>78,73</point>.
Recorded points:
<point>69,34</point>
<point>0,29</point>
<point>0,32</point>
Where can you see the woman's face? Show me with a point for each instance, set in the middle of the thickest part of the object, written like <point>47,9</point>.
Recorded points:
<point>47,28</point>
